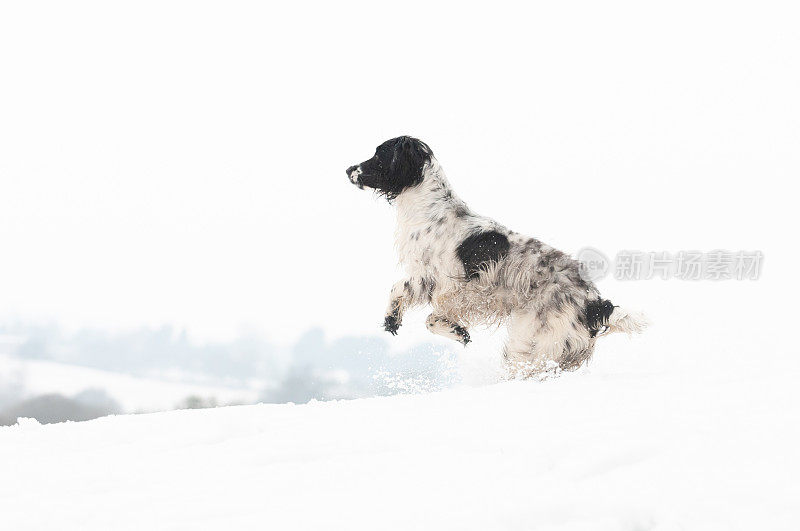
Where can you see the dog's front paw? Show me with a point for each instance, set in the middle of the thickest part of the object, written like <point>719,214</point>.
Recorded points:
<point>391,324</point>
<point>462,333</point>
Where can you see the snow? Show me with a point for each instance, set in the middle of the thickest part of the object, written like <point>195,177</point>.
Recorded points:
<point>607,448</point>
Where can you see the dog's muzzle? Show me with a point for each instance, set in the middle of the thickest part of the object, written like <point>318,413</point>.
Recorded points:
<point>354,174</point>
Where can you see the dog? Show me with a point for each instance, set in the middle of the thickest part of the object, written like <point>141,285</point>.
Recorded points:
<point>473,271</point>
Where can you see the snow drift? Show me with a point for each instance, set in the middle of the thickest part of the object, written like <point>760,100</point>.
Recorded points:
<point>590,450</point>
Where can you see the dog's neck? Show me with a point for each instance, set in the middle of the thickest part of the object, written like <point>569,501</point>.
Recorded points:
<point>430,201</point>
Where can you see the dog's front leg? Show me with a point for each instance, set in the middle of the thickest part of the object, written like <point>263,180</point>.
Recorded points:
<point>444,327</point>
<point>401,298</point>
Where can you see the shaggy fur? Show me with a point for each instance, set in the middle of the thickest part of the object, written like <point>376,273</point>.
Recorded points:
<point>474,271</point>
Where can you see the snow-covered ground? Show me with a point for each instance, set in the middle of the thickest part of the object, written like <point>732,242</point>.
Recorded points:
<point>606,448</point>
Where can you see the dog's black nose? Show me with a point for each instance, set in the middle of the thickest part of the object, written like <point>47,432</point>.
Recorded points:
<point>350,169</point>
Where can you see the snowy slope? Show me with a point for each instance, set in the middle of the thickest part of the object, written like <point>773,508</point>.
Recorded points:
<point>595,450</point>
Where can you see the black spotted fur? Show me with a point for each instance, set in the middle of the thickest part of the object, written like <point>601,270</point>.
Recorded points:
<point>480,249</point>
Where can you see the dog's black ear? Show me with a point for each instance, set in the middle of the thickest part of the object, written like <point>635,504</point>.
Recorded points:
<point>410,157</point>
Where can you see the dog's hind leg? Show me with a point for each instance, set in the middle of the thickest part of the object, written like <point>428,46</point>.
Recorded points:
<point>518,352</point>
<point>537,344</point>
<point>444,327</point>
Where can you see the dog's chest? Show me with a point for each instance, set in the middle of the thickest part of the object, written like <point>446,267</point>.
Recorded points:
<point>428,230</point>
<point>415,248</point>
<point>424,247</point>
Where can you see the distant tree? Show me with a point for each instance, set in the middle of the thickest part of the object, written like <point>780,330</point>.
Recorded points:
<point>198,402</point>
<point>48,409</point>
<point>99,398</point>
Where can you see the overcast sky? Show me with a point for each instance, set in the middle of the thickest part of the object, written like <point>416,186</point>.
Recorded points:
<point>183,162</point>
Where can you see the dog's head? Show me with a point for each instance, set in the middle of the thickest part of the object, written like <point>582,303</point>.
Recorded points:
<point>398,164</point>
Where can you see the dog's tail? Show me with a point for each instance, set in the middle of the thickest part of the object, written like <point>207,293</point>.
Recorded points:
<point>603,318</point>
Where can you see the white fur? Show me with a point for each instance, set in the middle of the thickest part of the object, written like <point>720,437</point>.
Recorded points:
<point>622,320</point>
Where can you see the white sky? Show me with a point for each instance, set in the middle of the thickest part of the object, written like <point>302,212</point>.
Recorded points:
<point>183,162</point>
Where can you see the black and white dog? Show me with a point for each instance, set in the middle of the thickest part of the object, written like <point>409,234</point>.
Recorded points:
<point>474,271</point>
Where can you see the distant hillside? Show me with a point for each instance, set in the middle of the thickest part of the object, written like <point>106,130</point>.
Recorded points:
<point>52,408</point>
